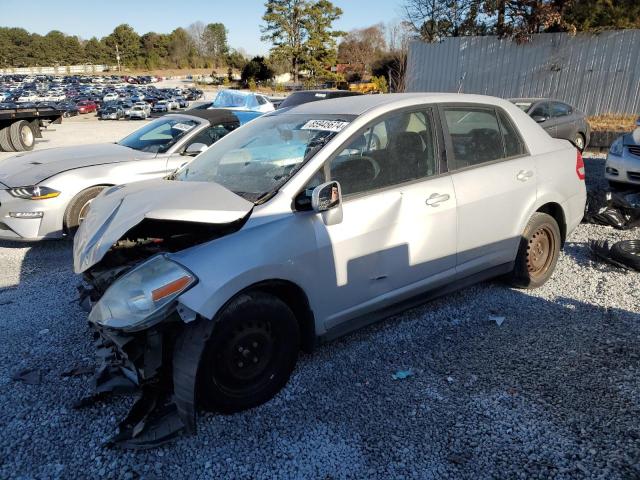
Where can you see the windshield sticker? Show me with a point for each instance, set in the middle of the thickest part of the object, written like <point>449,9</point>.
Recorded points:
<point>324,125</point>
<point>183,127</point>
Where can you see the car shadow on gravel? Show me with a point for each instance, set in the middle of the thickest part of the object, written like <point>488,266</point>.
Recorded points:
<point>38,258</point>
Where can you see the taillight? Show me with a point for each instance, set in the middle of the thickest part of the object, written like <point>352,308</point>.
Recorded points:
<point>579,165</point>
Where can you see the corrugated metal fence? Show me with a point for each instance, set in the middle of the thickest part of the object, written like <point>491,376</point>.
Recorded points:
<point>595,73</point>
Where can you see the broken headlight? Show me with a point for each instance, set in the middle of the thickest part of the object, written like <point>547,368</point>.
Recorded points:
<point>140,298</point>
<point>34,192</point>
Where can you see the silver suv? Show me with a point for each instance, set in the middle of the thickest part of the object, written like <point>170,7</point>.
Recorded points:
<point>306,224</point>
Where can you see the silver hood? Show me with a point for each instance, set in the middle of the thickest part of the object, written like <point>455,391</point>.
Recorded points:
<point>31,168</point>
<point>118,209</point>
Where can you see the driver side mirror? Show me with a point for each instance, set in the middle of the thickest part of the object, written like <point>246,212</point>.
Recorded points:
<point>327,200</point>
<point>195,149</point>
<point>540,118</point>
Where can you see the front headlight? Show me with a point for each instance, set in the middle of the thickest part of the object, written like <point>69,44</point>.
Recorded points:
<point>140,298</point>
<point>616,147</point>
<point>34,192</point>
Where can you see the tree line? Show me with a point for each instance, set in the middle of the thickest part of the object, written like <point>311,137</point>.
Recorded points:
<point>433,20</point>
<point>198,46</point>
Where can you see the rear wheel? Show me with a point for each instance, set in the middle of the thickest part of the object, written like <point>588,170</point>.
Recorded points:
<point>79,207</point>
<point>538,252</point>
<point>250,355</point>
<point>5,140</point>
<point>579,141</point>
<point>22,137</point>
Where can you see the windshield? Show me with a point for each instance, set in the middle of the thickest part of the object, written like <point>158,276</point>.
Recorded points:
<point>226,99</point>
<point>259,158</point>
<point>159,135</point>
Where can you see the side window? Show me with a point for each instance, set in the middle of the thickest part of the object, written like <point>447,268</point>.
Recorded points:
<point>261,100</point>
<point>398,149</point>
<point>475,135</point>
<point>211,135</point>
<point>541,110</point>
<point>513,145</point>
<point>560,109</point>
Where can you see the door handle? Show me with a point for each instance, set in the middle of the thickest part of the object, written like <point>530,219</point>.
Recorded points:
<point>524,175</point>
<point>435,199</point>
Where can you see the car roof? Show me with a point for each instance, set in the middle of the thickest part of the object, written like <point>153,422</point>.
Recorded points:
<point>359,104</point>
<point>213,116</point>
<point>535,100</point>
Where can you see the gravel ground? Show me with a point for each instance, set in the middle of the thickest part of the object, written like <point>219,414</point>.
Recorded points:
<point>553,392</point>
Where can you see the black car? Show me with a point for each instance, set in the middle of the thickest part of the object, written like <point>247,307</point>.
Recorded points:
<point>559,119</point>
<point>298,98</point>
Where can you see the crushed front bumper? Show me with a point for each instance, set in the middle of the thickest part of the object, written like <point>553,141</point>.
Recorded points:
<point>160,364</point>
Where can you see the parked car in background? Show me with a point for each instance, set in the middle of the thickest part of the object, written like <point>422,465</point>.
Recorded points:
<point>110,97</point>
<point>145,106</point>
<point>46,194</point>
<point>622,168</point>
<point>296,229</point>
<point>161,106</point>
<point>182,102</point>
<point>237,100</point>
<point>86,106</point>
<point>559,119</point>
<point>112,112</point>
<point>138,112</point>
<point>298,98</point>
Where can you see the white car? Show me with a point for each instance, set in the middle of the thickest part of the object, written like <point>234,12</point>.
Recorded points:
<point>28,97</point>
<point>237,100</point>
<point>306,224</point>
<point>145,106</point>
<point>622,168</point>
<point>161,106</point>
<point>110,97</point>
<point>137,111</point>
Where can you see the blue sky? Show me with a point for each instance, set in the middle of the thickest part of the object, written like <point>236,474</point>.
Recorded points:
<point>242,18</point>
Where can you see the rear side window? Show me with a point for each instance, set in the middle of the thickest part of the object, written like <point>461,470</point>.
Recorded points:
<point>513,144</point>
<point>560,110</point>
<point>475,135</point>
<point>542,110</point>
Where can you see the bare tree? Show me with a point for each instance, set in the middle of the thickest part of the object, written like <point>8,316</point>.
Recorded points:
<point>196,32</point>
<point>362,47</point>
<point>435,19</point>
<point>399,35</point>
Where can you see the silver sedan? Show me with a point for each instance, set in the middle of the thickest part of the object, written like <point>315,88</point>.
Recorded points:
<point>306,224</point>
<point>46,194</point>
<point>622,168</point>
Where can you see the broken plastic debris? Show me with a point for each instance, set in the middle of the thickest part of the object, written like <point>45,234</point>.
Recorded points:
<point>402,374</point>
<point>497,318</point>
<point>44,331</point>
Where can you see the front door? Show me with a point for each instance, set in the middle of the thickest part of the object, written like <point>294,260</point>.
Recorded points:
<point>398,233</point>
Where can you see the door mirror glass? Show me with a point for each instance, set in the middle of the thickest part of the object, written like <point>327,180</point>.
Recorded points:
<point>326,197</point>
<point>540,118</point>
<point>195,149</point>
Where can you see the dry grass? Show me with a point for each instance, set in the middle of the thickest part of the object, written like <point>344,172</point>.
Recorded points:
<point>610,122</point>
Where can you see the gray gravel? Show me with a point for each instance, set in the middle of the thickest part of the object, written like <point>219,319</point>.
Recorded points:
<point>553,392</point>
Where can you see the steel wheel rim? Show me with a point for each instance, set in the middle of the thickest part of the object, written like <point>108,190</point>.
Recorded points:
<point>579,142</point>
<point>245,358</point>
<point>26,135</point>
<point>540,251</point>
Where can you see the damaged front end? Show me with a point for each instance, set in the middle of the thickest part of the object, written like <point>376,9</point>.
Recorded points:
<point>146,341</point>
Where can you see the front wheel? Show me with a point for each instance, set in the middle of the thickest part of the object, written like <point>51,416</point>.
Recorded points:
<point>79,207</point>
<point>538,252</point>
<point>250,355</point>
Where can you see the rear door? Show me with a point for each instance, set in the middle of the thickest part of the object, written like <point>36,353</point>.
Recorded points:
<point>494,179</point>
<point>543,109</point>
<point>563,120</point>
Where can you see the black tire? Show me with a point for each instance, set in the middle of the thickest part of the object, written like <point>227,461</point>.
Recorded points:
<point>538,252</point>
<point>627,252</point>
<point>22,136</point>
<point>580,141</point>
<point>5,140</point>
<point>76,210</point>
<point>250,355</point>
